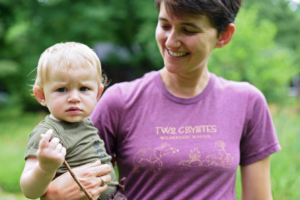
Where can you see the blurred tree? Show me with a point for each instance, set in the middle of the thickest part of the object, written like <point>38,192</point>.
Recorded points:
<point>28,27</point>
<point>36,25</point>
<point>255,57</point>
<point>286,20</point>
<point>9,66</point>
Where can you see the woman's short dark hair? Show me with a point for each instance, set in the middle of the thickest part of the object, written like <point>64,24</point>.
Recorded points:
<point>219,12</point>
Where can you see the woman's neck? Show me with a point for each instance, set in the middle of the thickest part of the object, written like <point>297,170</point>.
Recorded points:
<point>185,85</point>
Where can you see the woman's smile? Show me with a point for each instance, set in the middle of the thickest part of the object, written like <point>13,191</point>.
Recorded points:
<point>177,54</point>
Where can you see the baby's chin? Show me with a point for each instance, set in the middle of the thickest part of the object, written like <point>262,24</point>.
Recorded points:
<point>55,118</point>
<point>72,119</point>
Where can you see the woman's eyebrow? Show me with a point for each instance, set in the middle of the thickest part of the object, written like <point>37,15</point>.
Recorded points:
<point>190,24</point>
<point>183,23</point>
<point>163,19</point>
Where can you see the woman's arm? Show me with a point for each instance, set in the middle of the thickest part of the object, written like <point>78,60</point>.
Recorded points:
<point>256,183</point>
<point>64,187</point>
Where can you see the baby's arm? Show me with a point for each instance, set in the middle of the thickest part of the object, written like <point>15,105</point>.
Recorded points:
<point>39,171</point>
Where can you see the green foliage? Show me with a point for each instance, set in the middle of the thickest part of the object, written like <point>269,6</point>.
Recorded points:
<point>15,196</point>
<point>288,127</point>
<point>253,56</point>
<point>286,20</point>
<point>9,71</point>
<point>27,28</point>
<point>285,164</point>
<point>15,130</point>
<point>7,68</point>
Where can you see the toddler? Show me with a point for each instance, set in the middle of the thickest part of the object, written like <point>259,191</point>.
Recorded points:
<point>69,82</point>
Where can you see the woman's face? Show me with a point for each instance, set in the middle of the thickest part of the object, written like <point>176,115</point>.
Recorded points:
<point>185,44</point>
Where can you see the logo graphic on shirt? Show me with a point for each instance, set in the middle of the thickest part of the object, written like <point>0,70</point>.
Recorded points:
<point>146,157</point>
<point>222,159</point>
<point>186,132</point>
<point>100,151</point>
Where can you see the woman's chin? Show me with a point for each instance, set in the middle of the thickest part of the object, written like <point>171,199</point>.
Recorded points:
<point>173,69</point>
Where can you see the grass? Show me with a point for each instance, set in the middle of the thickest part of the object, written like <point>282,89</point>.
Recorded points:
<point>15,129</point>
<point>285,165</point>
<point>15,196</point>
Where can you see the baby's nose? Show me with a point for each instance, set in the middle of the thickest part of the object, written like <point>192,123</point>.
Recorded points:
<point>74,96</point>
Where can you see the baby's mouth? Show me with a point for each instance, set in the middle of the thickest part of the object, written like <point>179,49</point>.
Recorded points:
<point>72,109</point>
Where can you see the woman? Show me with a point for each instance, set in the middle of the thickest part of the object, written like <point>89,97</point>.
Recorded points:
<point>181,132</point>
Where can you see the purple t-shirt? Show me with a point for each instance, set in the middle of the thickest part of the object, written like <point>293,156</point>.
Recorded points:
<point>176,148</point>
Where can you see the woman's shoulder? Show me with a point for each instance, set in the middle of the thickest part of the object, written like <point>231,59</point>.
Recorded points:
<point>237,87</point>
<point>146,78</point>
<point>130,87</point>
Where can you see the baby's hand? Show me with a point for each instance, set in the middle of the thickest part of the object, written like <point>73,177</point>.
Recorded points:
<point>51,154</point>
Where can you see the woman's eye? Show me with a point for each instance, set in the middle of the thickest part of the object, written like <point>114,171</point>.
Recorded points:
<point>83,89</point>
<point>190,32</point>
<point>62,90</point>
<point>164,26</point>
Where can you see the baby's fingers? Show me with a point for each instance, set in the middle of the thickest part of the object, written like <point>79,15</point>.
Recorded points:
<point>45,138</point>
<point>54,143</point>
<point>63,152</point>
<point>58,148</point>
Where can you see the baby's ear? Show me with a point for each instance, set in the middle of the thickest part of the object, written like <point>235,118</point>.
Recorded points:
<point>100,91</point>
<point>226,36</point>
<point>39,95</point>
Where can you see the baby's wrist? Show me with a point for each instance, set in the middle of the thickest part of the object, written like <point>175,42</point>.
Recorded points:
<point>46,169</point>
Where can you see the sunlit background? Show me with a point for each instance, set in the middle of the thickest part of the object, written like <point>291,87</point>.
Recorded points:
<point>265,51</point>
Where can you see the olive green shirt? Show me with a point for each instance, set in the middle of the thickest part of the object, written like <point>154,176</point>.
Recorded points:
<point>81,141</point>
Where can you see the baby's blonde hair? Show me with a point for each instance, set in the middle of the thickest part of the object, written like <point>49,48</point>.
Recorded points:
<point>67,56</point>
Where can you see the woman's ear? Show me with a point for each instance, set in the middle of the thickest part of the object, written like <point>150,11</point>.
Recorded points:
<point>100,92</point>
<point>39,95</point>
<point>226,36</point>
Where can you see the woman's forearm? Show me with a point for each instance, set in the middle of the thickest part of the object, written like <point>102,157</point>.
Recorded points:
<point>51,193</point>
<point>64,187</point>
<point>256,183</point>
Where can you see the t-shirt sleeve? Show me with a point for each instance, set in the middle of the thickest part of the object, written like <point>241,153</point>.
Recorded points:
<point>34,140</point>
<point>259,138</point>
<point>107,116</point>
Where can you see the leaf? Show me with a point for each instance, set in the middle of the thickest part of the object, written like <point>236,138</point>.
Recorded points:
<point>8,67</point>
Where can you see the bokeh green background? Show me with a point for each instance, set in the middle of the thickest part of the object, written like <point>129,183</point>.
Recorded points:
<point>265,51</point>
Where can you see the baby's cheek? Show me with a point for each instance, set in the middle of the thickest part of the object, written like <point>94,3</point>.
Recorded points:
<point>56,108</point>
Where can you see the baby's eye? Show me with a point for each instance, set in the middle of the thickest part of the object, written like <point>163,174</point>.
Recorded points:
<point>62,90</point>
<point>83,89</point>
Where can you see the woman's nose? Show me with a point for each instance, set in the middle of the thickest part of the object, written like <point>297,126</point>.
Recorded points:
<point>173,39</point>
<point>74,97</point>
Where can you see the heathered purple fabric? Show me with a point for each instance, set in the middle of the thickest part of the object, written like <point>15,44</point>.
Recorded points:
<point>175,148</point>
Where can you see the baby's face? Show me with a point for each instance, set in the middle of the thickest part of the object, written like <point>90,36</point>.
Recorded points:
<point>72,95</point>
